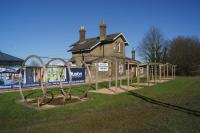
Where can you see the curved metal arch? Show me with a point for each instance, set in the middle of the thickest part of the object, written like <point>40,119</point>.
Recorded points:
<point>23,65</point>
<point>53,59</point>
<point>33,56</point>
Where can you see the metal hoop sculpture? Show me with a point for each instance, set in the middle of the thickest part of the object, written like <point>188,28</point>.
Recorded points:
<point>23,65</point>
<point>66,64</point>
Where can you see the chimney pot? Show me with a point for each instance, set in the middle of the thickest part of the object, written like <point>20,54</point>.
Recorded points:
<point>82,33</point>
<point>133,54</point>
<point>102,26</point>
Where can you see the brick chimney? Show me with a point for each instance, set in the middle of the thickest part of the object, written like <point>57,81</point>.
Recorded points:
<point>82,33</point>
<point>102,27</point>
<point>133,54</point>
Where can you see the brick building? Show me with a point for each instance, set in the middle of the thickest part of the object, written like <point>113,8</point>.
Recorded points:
<point>96,49</point>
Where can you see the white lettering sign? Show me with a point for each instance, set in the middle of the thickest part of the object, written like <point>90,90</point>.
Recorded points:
<point>76,74</point>
<point>103,67</point>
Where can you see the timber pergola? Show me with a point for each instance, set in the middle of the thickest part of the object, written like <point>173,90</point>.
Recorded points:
<point>157,72</point>
<point>116,69</point>
<point>131,70</point>
<point>110,63</point>
<point>165,71</point>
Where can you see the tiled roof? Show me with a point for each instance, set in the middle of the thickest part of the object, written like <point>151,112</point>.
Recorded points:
<point>90,43</point>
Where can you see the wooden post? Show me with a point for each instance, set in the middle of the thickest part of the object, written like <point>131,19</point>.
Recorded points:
<point>60,78</point>
<point>131,75</point>
<point>147,72</point>
<point>174,71</point>
<point>167,70</point>
<point>128,75</point>
<point>110,73</point>
<point>70,77</point>
<point>120,75</point>
<point>155,72</point>
<point>116,73</point>
<point>152,72</point>
<point>96,74</point>
<point>160,72</point>
<point>138,74</point>
<point>164,71</point>
<point>42,85</point>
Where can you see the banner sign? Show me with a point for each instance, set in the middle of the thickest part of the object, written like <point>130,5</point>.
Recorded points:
<point>103,67</point>
<point>29,75</point>
<point>78,75</point>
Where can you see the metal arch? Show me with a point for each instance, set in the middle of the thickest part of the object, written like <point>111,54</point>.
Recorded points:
<point>43,66</point>
<point>66,64</point>
<point>23,65</point>
<point>53,59</point>
<point>33,56</point>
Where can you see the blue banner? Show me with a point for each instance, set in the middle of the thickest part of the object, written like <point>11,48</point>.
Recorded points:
<point>29,75</point>
<point>78,75</point>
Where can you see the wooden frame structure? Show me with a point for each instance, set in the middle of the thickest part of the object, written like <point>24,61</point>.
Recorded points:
<point>156,72</point>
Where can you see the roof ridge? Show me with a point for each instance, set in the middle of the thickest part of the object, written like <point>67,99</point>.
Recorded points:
<point>92,42</point>
<point>106,35</point>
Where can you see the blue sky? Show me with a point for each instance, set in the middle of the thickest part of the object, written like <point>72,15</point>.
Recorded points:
<point>48,27</point>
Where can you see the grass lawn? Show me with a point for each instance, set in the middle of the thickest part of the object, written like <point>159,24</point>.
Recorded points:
<point>107,113</point>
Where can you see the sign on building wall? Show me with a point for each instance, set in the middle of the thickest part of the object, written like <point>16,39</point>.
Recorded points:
<point>103,67</point>
<point>78,75</point>
<point>121,68</point>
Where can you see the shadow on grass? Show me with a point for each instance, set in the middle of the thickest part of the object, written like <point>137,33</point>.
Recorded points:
<point>167,105</point>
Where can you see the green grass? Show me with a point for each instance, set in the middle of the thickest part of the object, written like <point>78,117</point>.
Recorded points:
<point>106,113</point>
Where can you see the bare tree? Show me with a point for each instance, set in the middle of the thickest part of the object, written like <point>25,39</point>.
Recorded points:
<point>151,47</point>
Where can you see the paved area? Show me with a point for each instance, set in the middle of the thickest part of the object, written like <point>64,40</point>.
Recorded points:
<point>114,90</point>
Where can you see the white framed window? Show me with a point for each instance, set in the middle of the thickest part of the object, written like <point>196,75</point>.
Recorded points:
<point>119,47</point>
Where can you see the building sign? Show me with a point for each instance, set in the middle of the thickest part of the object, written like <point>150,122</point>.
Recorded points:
<point>103,67</point>
<point>78,75</point>
<point>121,68</point>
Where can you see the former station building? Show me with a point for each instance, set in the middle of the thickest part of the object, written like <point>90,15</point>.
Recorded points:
<point>110,47</point>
